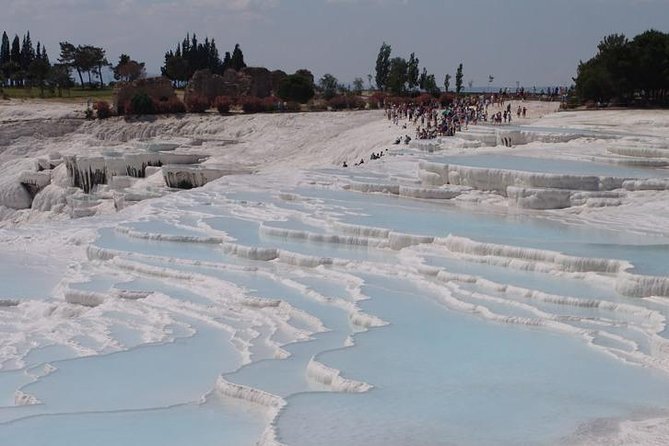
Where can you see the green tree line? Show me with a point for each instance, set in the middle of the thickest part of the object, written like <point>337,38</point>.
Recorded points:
<point>627,71</point>
<point>191,56</point>
<point>401,76</point>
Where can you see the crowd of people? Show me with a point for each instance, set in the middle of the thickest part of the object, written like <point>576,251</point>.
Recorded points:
<point>431,119</point>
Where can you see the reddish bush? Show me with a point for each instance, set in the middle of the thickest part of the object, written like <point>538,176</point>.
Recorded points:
<point>446,99</point>
<point>292,106</point>
<point>140,104</point>
<point>397,100</point>
<point>223,104</point>
<point>172,105</point>
<point>377,100</point>
<point>338,103</point>
<point>251,104</point>
<point>357,103</point>
<point>197,104</point>
<point>270,103</point>
<point>103,109</point>
<point>424,99</point>
<point>318,105</point>
<point>346,102</point>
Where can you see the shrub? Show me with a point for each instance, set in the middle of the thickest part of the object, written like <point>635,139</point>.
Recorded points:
<point>251,104</point>
<point>377,99</point>
<point>397,100</point>
<point>346,102</point>
<point>223,104</point>
<point>424,99</point>
<point>293,106</point>
<point>338,103</point>
<point>446,99</point>
<point>197,104</point>
<point>270,103</point>
<point>140,104</point>
<point>103,109</point>
<point>318,105</point>
<point>295,88</point>
<point>358,103</point>
<point>172,105</point>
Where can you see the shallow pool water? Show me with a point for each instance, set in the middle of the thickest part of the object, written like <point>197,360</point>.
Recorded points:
<point>460,348</point>
<point>439,377</point>
<point>549,165</point>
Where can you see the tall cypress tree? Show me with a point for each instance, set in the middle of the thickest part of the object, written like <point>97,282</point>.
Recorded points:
<point>15,53</point>
<point>237,60</point>
<point>27,52</point>
<point>227,61</point>
<point>4,49</point>
<point>383,66</point>
<point>412,72</point>
<point>458,79</point>
<point>15,62</point>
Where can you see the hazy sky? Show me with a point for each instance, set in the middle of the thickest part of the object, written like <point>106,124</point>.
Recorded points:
<point>534,42</point>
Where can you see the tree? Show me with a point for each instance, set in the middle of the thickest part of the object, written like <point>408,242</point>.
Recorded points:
<point>412,71</point>
<point>5,57</point>
<point>397,76</point>
<point>67,58</point>
<point>12,72</point>
<point>237,59</point>
<point>422,79</point>
<point>358,85</point>
<point>651,49</point>
<point>308,75</point>
<point>15,52</point>
<point>626,71</point>
<point>39,69</point>
<point>122,60</point>
<point>128,70</point>
<point>15,61</point>
<point>328,84</point>
<point>27,52</point>
<point>176,69</point>
<point>100,62</point>
<point>431,85</point>
<point>86,59</point>
<point>458,79</point>
<point>227,61</point>
<point>296,88</point>
<point>383,66</point>
<point>190,56</point>
<point>4,49</point>
<point>59,78</point>
<point>447,82</point>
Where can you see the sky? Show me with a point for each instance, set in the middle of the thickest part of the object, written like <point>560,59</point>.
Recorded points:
<point>529,42</point>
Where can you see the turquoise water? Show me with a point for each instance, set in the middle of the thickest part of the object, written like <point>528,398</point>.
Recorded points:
<point>549,165</point>
<point>212,424</point>
<point>441,375</point>
<point>24,276</point>
<point>647,253</point>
